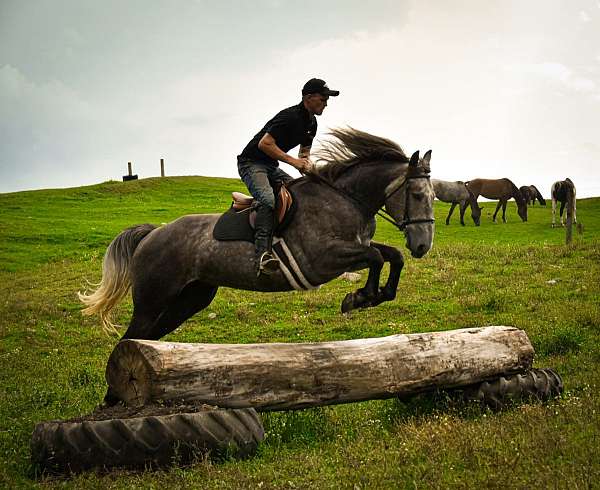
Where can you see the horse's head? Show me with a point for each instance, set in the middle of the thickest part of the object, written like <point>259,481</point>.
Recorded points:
<point>521,205</point>
<point>475,208</point>
<point>476,214</point>
<point>411,205</point>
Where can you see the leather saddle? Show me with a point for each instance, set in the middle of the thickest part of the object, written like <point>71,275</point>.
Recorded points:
<point>238,222</point>
<point>242,202</point>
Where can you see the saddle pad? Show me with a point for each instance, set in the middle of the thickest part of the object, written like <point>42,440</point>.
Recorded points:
<point>234,225</point>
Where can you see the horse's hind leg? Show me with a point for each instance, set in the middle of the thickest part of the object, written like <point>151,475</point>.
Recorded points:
<point>562,208</point>
<point>149,325</point>
<point>150,322</point>
<point>553,212</point>
<point>504,212</point>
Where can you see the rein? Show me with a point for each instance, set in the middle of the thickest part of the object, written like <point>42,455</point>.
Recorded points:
<point>381,212</point>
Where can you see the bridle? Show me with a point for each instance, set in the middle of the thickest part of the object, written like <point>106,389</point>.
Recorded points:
<point>381,212</point>
<point>406,219</point>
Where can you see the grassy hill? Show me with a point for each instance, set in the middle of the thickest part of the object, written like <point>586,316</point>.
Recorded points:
<point>521,274</point>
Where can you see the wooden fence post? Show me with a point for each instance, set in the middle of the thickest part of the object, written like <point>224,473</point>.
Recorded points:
<point>129,175</point>
<point>162,167</point>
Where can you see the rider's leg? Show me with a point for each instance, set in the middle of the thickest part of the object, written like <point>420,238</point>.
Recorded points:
<point>256,177</point>
<point>263,240</point>
<point>278,175</point>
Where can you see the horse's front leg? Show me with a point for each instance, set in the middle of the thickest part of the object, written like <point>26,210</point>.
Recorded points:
<point>363,297</point>
<point>396,260</point>
<point>463,207</point>
<point>496,212</point>
<point>450,212</point>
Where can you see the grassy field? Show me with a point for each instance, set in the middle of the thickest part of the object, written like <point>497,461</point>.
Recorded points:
<point>52,359</point>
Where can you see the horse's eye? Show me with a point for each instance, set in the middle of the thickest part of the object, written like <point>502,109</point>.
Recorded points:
<point>418,195</point>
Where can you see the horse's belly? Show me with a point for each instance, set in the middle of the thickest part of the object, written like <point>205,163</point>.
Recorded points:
<point>232,264</point>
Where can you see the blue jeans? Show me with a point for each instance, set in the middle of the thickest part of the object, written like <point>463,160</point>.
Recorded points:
<point>259,177</point>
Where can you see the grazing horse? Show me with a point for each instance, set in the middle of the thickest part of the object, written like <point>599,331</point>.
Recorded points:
<point>457,193</point>
<point>174,270</point>
<point>564,191</point>
<point>531,193</point>
<point>501,189</point>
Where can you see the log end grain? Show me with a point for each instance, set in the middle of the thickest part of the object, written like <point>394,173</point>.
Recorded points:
<point>130,374</point>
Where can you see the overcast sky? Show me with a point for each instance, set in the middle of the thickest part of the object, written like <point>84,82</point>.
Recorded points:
<point>495,88</point>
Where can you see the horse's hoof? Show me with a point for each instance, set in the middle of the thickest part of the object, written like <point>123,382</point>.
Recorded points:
<point>348,303</point>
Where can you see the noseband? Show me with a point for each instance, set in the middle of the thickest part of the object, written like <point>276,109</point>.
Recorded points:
<point>406,220</point>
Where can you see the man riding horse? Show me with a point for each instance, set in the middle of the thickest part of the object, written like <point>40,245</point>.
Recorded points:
<point>258,164</point>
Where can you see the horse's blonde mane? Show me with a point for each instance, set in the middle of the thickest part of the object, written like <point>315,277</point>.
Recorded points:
<point>352,147</point>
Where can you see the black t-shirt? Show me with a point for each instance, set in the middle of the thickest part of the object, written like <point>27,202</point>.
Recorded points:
<point>290,127</point>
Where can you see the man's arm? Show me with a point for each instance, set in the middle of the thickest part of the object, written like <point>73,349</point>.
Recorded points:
<point>268,145</point>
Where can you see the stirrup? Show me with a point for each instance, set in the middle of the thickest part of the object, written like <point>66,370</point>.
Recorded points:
<point>267,264</point>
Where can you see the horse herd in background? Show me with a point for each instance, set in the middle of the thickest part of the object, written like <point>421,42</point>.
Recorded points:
<point>463,194</point>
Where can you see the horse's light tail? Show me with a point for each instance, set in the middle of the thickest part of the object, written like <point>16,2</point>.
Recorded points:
<point>116,280</point>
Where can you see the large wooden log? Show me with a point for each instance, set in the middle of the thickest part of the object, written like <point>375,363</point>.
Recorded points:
<point>282,376</point>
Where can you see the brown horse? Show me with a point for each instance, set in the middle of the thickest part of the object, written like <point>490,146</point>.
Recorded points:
<point>531,193</point>
<point>501,189</point>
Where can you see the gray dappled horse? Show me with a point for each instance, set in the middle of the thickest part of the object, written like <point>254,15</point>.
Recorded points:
<point>564,192</point>
<point>459,195</point>
<point>175,270</point>
<point>501,189</point>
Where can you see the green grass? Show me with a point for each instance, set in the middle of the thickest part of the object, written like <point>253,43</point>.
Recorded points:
<point>52,359</point>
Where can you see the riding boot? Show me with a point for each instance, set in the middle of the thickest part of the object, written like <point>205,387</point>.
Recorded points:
<point>266,263</point>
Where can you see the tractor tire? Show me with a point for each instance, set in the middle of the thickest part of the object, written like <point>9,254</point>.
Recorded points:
<point>536,384</point>
<point>144,441</point>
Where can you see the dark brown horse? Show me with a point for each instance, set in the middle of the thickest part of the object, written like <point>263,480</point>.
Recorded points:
<point>501,189</point>
<point>531,193</point>
<point>564,192</point>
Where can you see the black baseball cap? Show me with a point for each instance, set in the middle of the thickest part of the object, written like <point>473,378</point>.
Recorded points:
<point>318,86</point>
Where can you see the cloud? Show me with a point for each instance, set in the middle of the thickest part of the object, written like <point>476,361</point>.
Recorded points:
<point>53,134</point>
<point>492,93</point>
<point>562,76</point>
<point>12,82</point>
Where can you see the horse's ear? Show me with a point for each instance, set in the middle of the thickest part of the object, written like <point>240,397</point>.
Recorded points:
<point>414,160</point>
<point>427,157</point>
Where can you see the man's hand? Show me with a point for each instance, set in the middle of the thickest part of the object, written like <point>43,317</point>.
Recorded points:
<point>309,168</point>
<point>304,165</point>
